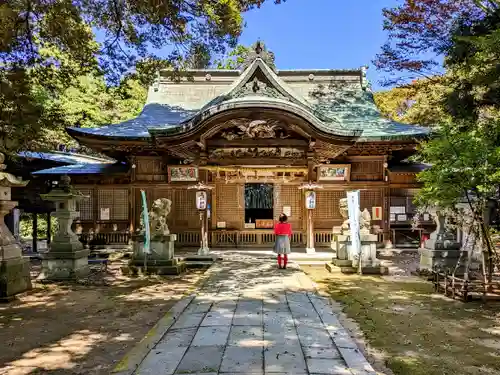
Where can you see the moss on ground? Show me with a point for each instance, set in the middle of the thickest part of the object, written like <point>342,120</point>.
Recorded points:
<point>418,332</point>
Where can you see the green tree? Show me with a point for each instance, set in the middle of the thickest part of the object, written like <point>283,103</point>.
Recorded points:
<point>91,102</point>
<point>132,30</point>
<point>234,59</point>
<point>464,107</point>
<point>419,103</point>
<point>47,46</point>
<point>472,60</point>
<point>464,167</point>
<point>418,32</point>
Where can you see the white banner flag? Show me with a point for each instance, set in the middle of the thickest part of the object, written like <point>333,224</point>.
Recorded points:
<point>353,210</point>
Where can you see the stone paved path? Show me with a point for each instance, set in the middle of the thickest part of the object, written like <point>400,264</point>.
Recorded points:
<point>252,318</point>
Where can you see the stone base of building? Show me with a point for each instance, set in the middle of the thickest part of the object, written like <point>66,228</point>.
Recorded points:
<point>349,269</point>
<point>154,267</point>
<point>14,277</point>
<point>62,266</point>
<point>430,259</point>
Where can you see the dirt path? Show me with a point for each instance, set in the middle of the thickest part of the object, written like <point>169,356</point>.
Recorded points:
<point>84,329</point>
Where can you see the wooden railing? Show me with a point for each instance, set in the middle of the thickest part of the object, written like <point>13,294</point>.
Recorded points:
<point>109,238</point>
<point>323,238</point>
<point>189,238</point>
<point>219,238</point>
<point>250,238</point>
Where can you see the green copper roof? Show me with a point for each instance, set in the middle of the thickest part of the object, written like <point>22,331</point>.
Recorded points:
<point>354,107</point>
<point>335,106</point>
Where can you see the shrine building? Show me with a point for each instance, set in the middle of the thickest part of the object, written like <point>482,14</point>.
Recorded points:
<point>254,136</point>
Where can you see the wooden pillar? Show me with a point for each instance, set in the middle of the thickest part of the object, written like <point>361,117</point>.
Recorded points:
<point>310,233</point>
<point>35,233</point>
<point>310,166</point>
<point>95,208</point>
<point>213,206</point>
<point>132,213</point>
<point>49,232</point>
<point>310,221</point>
<point>204,178</point>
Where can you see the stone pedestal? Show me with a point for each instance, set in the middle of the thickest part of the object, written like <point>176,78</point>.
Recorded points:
<point>14,268</point>
<point>429,259</point>
<point>345,251</point>
<point>347,257</point>
<point>441,249</point>
<point>66,259</point>
<point>160,261</point>
<point>336,231</point>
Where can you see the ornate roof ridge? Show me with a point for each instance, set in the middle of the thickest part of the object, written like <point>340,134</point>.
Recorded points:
<point>355,71</point>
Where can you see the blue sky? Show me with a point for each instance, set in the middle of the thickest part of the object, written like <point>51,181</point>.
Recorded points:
<point>318,34</point>
<point>322,34</point>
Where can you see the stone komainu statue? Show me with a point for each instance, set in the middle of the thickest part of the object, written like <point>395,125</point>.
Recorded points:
<point>364,217</point>
<point>158,213</point>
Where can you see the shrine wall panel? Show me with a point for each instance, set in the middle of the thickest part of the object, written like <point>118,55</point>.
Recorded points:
<point>105,210</point>
<point>150,168</point>
<point>327,213</point>
<point>186,215</point>
<point>367,170</point>
<point>290,195</point>
<point>86,206</point>
<point>229,205</point>
<point>403,178</point>
<point>370,199</point>
<point>112,204</point>
<point>183,214</point>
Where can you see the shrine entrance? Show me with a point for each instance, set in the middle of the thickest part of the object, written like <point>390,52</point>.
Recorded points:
<point>259,205</point>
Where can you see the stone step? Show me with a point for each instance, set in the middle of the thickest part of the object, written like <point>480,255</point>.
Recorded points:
<point>194,264</point>
<point>381,270</point>
<point>201,258</point>
<point>392,252</point>
<point>319,263</point>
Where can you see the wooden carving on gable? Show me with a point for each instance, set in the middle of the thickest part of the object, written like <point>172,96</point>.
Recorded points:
<point>244,128</point>
<point>254,152</point>
<point>258,87</point>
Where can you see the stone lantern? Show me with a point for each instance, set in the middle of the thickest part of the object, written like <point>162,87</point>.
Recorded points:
<point>66,259</point>
<point>14,268</point>
<point>442,248</point>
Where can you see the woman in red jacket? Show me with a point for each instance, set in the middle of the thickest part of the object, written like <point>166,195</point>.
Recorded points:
<point>283,232</point>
